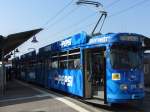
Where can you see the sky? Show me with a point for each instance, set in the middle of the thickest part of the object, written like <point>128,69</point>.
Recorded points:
<point>23,15</point>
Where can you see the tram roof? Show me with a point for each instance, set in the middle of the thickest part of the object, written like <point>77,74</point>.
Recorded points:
<point>82,39</point>
<point>72,41</point>
<point>116,37</point>
<point>28,55</point>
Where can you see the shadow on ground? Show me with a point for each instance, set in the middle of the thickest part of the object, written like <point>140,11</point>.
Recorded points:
<point>17,93</point>
<point>131,107</point>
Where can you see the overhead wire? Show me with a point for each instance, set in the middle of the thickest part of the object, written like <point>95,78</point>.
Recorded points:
<point>86,18</point>
<point>74,31</point>
<point>88,25</point>
<point>85,26</point>
<point>58,13</point>
<point>63,18</point>
<point>112,3</point>
<point>129,8</point>
<point>45,27</point>
<point>124,10</point>
<point>77,23</point>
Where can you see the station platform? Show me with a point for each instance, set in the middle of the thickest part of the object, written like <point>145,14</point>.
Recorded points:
<point>15,90</point>
<point>21,97</point>
<point>18,93</point>
<point>24,97</point>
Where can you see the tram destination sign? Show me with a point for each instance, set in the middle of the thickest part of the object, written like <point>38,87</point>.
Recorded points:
<point>129,38</point>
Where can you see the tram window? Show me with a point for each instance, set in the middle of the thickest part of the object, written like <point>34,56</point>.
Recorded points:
<point>55,64</point>
<point>74,64</point>
<point>74,51</point>
<point>49,64</point>
<point>77,64</point>
<point>125,57</point>
<point>63,60</point>
<point>71,64</point>
<point>54,54</point>
<point>63,64</point>
<point>74,61</point>
<point>62,53</point>
<point>146,68</point>
<point>76,56</point>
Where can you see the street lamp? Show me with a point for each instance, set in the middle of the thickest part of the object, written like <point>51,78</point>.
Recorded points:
<point>16,50</point>
<point>11,53</point>
<point>34,40</point>
<point>14,53</point>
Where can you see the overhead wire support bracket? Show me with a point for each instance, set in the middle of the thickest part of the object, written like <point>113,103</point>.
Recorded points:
<point>103,13</point>
<point>97,4</point>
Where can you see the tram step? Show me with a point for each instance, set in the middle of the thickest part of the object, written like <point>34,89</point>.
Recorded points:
<point>95,101</point>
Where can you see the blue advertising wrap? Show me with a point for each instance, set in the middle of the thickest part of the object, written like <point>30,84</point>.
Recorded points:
<point>122,84</point>
<point>70,81</point>
<point>39,76</point>
<point>73,41</point>
<point>132,78</point>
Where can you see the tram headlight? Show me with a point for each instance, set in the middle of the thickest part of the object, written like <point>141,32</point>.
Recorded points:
<point>123,87</point>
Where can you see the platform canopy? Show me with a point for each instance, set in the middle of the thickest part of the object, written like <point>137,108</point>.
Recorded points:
<point>12,41</point>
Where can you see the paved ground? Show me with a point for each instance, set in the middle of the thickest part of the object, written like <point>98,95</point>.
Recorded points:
<point>21,97</point>
<point>17,90</point>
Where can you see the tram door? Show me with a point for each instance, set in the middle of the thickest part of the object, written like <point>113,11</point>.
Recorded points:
<point>96,68</point>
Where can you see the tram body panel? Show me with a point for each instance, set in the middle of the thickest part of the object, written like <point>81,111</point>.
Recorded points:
<point>124,85</point>
<point>31,76</point>
<point>70,81</point>
<point>115,86</point>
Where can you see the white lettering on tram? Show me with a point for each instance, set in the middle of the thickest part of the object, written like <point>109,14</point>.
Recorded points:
<point>66,43</point>
<point>101,40</point>
<point>64,80</point>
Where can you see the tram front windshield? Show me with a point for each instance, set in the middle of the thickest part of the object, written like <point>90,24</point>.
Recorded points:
<point>125,57</point>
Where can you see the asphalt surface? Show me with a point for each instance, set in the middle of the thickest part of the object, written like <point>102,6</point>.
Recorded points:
<point>22,97</point>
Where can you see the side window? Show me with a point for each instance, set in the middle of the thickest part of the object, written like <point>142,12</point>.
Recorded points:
<point>55,64</point>
<point>49,63</point>
<point>63,64</point>
<point>77,64</point>
<point>74,59</point>
<point>66,59</point>
<point>71,64</point>
<point>63,60</point>
<point>146,68</point>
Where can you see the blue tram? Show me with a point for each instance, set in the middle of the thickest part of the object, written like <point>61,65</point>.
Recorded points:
<point>108,67</point>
